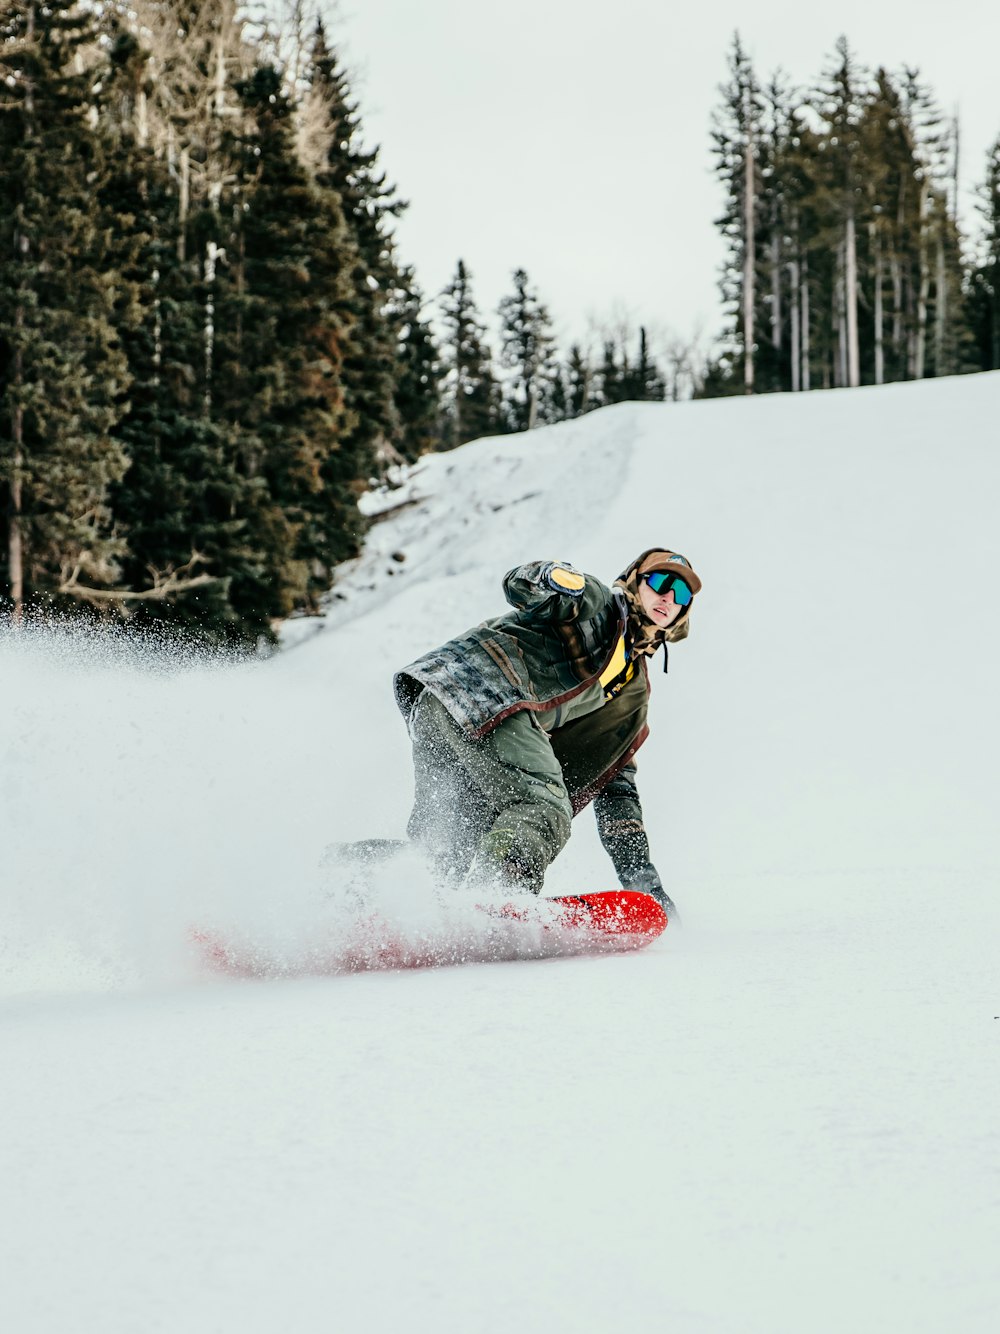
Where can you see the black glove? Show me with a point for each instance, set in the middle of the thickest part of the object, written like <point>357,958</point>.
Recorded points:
<point>646,880</point>
<point>563,578</point>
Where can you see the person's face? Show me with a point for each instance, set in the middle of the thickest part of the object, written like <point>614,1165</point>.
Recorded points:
<point>661,608</point>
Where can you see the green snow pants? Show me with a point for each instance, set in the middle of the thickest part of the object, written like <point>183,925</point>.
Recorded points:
<point>501,800</point>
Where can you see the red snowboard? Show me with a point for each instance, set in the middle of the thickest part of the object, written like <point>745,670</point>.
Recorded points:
<point>522,928</point>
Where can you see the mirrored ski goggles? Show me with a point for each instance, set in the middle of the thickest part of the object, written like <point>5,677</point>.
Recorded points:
<point>661,581</point>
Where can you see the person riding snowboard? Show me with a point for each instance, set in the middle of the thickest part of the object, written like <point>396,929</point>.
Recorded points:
<point>521,722</point>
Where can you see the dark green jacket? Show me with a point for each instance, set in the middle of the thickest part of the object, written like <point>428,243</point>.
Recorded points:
<point>552,646</point>
<point>545,651</point>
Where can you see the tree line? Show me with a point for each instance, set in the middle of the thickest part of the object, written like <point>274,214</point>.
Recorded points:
<point>526,383</point>
<point>206,334</point>
<point>845,262</point>
<point>210,345</point>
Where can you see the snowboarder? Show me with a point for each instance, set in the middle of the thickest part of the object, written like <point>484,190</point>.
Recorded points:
<point>521,722</point>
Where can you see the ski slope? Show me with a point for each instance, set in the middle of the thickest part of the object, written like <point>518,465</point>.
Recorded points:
<point>782,1118</point>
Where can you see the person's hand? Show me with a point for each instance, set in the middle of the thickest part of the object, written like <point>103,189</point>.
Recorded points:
<point>647,881</point>
<point>561,577</point>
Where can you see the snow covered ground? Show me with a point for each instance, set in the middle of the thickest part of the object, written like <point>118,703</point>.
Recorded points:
<point>783,1117</point>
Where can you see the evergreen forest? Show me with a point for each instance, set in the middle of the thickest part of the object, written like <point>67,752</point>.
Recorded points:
<point>846,263</point>
<point>210,345</point>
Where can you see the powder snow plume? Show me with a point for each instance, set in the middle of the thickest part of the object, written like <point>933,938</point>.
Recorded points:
<point>140,790</point>
<point>150,803</point>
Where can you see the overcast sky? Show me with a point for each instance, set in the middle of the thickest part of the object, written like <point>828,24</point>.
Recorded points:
<point>571,137</point>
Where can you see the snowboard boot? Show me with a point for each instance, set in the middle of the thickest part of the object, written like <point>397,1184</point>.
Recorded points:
<point>500,862</point>
<point>666,903</point>
<point>646,880</point>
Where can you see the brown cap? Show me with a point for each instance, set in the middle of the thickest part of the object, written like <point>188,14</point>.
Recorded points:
<point>661,559</point>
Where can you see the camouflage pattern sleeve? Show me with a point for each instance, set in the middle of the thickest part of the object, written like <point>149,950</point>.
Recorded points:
<point>619,823</point>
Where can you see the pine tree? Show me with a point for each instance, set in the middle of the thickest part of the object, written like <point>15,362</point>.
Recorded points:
<point>611,376</point>
<point>887,152</point>
<point>736,135</point>
<point>471,393</point>
<point>796,157</point>
<point>642,380</point>
<point>527,352</point>
<point>557,404</point>
<point>984,294</point>
<point>63,377</point>
<point>912,233</point>
<point>370,362</point>
<point>418,401</point>
<point>777,295</point>
<point>282,322</point>
<point>840,107</point>
<point>579,383</point>
<point>183,504</point>
<point>225,255</point>
<point>174,505</point>
<point>857,271</point>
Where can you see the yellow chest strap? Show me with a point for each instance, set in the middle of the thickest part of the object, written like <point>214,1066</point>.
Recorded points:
<point>619,666</point>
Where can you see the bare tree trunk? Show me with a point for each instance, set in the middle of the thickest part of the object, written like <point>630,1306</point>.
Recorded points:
<point>775,287</point>
<point>896,276</point>
<point>806,377</point>
<point>212,254</point>
<point>851,302</point>
<point>945,362</point>
<point>458,411</point>
<point>896,269</point>
<point>940,305</point>
<point>295,23</point>
<point>15,528</point>
<point>919,366</point>
<point>839,324</point>
<point>879,315</point>
<point>793,310</point>
<point>956,140</point>
<point>185,200</point>
<point>749,247</point>
<point>219,91</point>
<point>457,407</point>
<point>15,537</point>
<point>15,532</point>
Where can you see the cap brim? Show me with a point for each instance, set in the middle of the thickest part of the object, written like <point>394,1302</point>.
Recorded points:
<point>670,563</point>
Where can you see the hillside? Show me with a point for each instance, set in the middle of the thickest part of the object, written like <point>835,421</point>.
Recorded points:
<point>781,1117</point>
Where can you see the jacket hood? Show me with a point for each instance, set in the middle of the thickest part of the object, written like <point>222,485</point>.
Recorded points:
<point>646,636</point>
